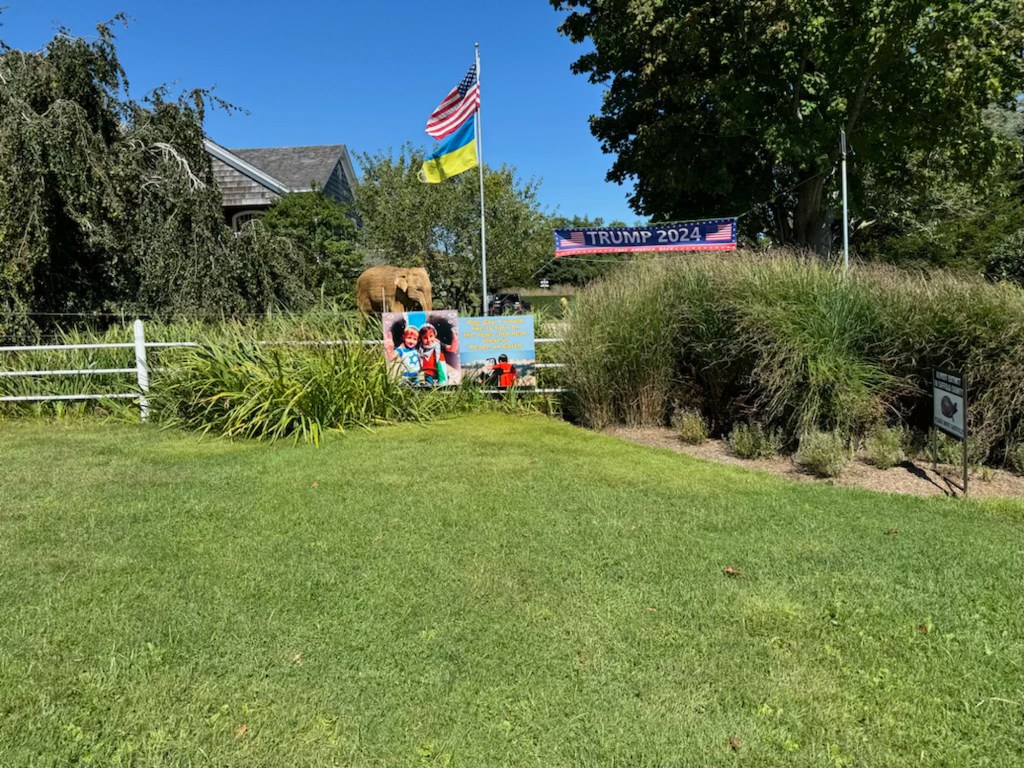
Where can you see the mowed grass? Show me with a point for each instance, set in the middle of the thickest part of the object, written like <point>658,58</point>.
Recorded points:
<point>489,591</point>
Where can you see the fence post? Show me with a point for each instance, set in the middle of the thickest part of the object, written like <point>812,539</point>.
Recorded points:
<point>141,369</point>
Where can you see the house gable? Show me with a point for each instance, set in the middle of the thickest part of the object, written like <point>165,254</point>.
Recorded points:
<point>250,180</point>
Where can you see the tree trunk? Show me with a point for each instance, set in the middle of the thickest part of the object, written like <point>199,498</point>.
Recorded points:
<point>809,230</point>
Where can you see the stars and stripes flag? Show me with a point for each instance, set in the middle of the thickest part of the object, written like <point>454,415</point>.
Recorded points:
<point>574,238</point>
<point>457,107</point>
<point>721,234</point>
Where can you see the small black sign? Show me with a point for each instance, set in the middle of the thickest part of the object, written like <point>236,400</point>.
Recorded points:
<point>949,403</point>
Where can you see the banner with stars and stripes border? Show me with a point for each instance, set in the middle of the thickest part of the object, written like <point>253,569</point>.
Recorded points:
<point>712,235</point>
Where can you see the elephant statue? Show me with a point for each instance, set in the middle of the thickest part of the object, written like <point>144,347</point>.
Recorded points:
<point>393,289</point>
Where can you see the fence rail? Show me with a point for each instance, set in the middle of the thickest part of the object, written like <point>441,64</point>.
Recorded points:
<point>142,369</point>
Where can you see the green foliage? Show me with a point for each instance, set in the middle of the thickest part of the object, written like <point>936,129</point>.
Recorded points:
<point>945,449</point>
<point>795,345</point>
<point>1006,261</point>
<point>437,226</point>
<point>886,447</point>
<point>939,222</point>
<point>1015,458</point>
<point>324,234</point>
<point>736,105</point>
<point>691,427</point>
<point>824,454</point>
<point>108,204</point>
<point>754,441</point>
<point>243,389</point>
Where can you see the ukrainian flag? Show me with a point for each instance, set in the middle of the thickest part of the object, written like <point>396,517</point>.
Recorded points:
<point>456,154</point>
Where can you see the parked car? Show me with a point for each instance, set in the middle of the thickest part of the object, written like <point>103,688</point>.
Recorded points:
<point>508,304</point>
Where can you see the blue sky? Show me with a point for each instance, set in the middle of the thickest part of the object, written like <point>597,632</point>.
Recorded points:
<point>363,74</point>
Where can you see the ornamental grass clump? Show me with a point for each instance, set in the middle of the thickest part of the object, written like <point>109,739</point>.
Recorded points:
<point>244,389</point>
<point>824,454</point>
<point>796,345</point>
<point>621,366</point>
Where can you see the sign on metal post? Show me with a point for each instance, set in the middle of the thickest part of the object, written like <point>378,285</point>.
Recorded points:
<point>949,410</point>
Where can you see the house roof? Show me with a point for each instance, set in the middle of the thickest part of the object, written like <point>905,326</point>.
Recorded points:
<point>298,168</point>
<point>257,176</point>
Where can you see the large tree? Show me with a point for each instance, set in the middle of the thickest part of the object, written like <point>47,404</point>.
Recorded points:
<point>109,204</point>
<point>735,106</point>
<point>437,226</point>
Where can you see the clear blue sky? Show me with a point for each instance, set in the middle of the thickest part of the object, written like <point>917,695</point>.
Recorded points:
<point>362,73</point>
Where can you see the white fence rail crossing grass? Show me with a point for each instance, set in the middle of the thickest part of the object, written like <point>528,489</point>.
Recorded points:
<point>141,369</point>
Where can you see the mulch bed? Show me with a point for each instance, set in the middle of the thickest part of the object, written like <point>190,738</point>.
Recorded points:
<point>914,477</point>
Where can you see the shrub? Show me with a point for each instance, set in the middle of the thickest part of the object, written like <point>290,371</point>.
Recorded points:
<point>886,447</point>
<point>1015,458</point>
<point>754,441</point>
<point>948,450</point>
<point>691,426</point>
<point>825,454</point>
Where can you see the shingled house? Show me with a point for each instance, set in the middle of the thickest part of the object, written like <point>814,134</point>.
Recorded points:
<point>251,179</point>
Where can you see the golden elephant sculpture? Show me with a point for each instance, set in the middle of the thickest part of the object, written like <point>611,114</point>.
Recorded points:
<point>394,289</point>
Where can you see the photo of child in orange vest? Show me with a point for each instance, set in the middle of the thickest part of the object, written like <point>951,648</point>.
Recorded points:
<point>506,372</point>
<point>499,373</point>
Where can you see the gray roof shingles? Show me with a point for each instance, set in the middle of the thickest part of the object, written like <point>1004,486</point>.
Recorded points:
<point>300,168</point>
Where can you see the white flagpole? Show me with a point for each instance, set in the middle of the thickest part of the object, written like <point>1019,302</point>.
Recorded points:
<point>846,214</point>
<point>480,167</point>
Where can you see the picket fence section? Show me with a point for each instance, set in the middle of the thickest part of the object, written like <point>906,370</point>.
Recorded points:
<point>141,368</point>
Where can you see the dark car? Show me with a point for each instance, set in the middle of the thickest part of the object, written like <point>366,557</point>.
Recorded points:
<point>508,304</point>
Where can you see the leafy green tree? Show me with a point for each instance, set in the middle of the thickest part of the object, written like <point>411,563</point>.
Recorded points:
<point>941,222</point>
<point>110,204</point>
<point>324,234</point>
<point>729,106</point>
<point>438,225</point>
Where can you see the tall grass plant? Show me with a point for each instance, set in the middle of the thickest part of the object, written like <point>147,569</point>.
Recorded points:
<point>796,345</point>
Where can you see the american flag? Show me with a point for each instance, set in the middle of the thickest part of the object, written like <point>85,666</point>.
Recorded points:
<point>457,107</point>
<point>721,234</point>
<point>576,238</point>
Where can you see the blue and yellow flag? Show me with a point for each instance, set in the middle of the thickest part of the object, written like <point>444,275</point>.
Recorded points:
<point>456,154</point>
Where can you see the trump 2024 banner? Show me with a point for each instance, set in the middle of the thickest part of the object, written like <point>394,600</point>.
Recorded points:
<point>714,235</point>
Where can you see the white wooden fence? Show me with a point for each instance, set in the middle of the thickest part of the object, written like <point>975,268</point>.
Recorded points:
<point>141,368</point>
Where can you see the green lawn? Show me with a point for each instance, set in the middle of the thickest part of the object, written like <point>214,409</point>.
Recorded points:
<point>489,591</point>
